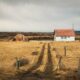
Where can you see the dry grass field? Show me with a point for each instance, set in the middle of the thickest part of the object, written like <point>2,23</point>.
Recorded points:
<point>40,60</point>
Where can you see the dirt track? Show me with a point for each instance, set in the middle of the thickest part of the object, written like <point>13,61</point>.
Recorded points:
<point>48,67</point>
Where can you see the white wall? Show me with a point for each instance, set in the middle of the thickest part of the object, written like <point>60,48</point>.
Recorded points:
<point>65,39</point>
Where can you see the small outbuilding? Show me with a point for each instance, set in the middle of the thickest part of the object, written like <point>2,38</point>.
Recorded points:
<point>20,37</point>
<point>64,35</point>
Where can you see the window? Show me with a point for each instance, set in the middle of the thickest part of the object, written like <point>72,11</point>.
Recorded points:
<point>63,37</point>
<point>68,37</point>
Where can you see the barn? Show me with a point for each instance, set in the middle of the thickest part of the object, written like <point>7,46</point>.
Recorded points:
<point>64,35</point>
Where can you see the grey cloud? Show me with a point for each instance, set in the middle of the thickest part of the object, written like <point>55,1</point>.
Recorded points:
<point>71,6</point>
<point>34,14</point>
<point>67,3</point>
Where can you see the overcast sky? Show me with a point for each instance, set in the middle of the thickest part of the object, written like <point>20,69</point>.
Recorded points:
<point>39,15</point>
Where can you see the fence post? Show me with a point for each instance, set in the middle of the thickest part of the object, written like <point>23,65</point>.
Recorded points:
<point>60,62</point>
<point>65,51</point>
<point>56,52</point>
<point>17,63</point>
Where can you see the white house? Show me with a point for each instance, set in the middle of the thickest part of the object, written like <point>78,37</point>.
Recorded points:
<point>64,35</point>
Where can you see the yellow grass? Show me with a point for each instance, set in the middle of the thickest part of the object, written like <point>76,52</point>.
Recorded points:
<point>10,50</point>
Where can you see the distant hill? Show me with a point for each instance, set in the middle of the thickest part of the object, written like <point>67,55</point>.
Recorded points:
<point>5,34</point>
<point>77,32</point>
<point>33,35</point>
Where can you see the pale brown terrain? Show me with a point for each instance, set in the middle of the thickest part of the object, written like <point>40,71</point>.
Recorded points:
<point>43,60</point>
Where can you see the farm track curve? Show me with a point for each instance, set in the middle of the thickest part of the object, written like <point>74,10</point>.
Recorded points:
<point>48,70</point>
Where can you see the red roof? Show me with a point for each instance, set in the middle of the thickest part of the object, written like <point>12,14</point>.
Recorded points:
<point>64,32</point>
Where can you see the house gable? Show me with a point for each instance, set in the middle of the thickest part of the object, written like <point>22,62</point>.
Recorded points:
<point>64,35</point>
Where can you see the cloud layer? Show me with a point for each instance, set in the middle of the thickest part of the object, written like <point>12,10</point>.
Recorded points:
<point>39,15</point>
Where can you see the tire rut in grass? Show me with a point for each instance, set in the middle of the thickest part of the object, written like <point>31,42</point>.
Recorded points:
<point>49,65</point>
<point>35,66</point>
